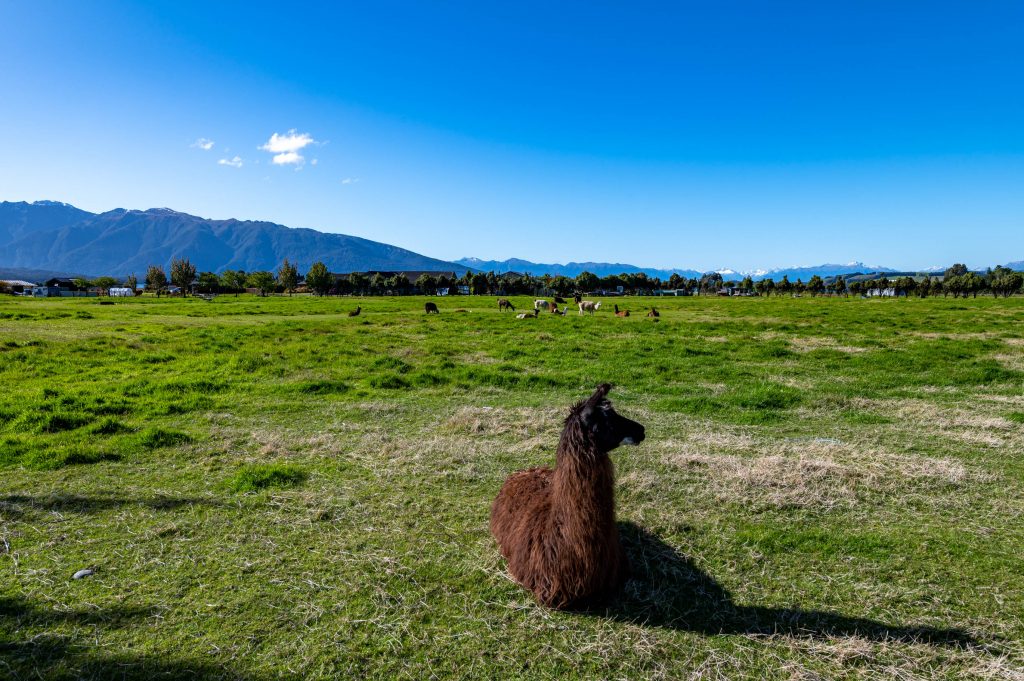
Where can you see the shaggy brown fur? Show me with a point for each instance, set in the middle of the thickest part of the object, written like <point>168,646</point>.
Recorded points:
<point>556,527</point>
<point>621,313</point>
<point>654,313</point>
<point>355,312</point>
<point>505,304</point>
<point>431,307</point>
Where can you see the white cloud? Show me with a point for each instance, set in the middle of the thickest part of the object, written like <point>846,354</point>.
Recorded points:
<point>288,158</point>
<point>314,161</point>
<point>286,148</point>
<point>235,162</point>
<point>293,141</point>
<point>202,143</point>
<point>350,180</point>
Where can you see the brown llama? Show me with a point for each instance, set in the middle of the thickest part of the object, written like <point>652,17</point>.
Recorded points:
<point>355,312</point>
<point>505,304</point>
<point>556,527</point>
<point>431,307</point>
<point>621,313</point>
<point>654,312</point>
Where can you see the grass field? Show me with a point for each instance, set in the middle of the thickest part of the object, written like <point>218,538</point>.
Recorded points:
<point>266,488</point>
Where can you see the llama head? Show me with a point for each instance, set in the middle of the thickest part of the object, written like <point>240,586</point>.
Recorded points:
<point>596,422</point>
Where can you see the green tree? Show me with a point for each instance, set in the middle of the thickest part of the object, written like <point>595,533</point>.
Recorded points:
<point>816,285</point>
<point>183,273</point>
<point>747,284</point>
<point>360,282</point>
<point>319,279</point>
<point>562,285</point>
<point>784,286</point>
<point>586,282</point>
<point>957,270</point>
<point>234,280</point>
<point>838,286</point>
<point>426,284</point>
<point>156,280</point>
<point>263,281</point>
<point>288,276</point>
<point>131,282</point>
<point>105,283</point>
<point>710,282</point>
<point>209,282</point>
<point>479,284</point>
<point>377,284</point>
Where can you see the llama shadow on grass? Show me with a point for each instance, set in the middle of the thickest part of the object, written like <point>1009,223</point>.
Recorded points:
<point>667,589</point>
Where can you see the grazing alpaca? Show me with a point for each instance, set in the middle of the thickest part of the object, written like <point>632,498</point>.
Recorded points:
<point>560,299</point>
<point>589,306</point>
<point>540,304</point>
<point>621,313</point>
<point>653,313</point>
<point>528,315</point>
<point>355,312</point>
<point>554,308</point>
<point>431,307</point>
<point>505,304</point>
<point>556,527</point>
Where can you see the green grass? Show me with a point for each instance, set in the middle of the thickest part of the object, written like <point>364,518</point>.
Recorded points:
<point>255,477</point>
<point>267,488</point>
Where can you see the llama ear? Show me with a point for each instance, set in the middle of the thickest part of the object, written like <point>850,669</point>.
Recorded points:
<point>599,394</point>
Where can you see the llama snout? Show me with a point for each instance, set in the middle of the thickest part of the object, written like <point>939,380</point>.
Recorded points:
<point>635,437</point>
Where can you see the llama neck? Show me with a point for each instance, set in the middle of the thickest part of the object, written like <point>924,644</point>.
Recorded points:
<point>583,489</point>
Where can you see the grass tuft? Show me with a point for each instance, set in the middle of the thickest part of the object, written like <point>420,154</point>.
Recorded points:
<point>256,477</point>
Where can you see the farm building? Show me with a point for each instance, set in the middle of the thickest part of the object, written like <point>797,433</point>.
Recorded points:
<point>61,287</point>
<point>17,285</point>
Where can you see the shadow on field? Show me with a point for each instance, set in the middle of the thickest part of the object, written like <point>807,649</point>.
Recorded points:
<point>668,590</point>
<point>35,643</point>
<point>17,505</point>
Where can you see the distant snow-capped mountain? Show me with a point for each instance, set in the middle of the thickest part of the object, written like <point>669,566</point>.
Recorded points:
<point>604,269</point>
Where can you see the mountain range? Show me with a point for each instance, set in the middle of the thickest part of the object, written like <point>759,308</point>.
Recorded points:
<point>51,238</point>
<point>59,237</point>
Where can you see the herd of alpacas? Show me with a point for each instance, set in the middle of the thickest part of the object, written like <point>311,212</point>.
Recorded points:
<point>556,526</point>
<point>538,305</point>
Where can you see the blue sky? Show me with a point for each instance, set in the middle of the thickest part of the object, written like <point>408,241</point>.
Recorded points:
<point>688,134</point>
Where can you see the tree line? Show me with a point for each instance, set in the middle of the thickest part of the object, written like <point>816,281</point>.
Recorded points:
<point>957,281</point>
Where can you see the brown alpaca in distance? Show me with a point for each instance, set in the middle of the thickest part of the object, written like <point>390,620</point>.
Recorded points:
<point>355,312</point>
<point>431,307</point>
<point>621,313</point>
<point>654,313</point>
<point>505,304</point>
<point>556,527</point>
